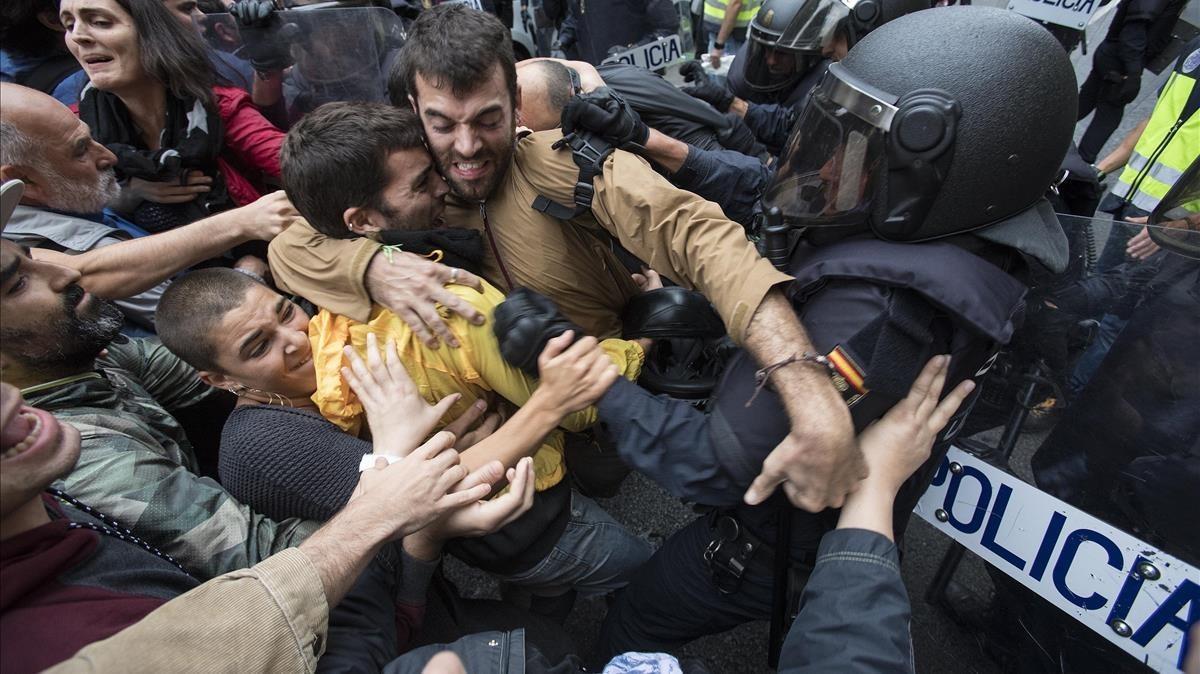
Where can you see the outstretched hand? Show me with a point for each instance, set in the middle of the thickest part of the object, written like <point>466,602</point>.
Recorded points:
<point>401,498</point>
<point>896,445</point>
<point>399,417</point>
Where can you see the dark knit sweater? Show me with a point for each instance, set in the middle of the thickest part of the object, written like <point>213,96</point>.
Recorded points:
<point>287,462</point>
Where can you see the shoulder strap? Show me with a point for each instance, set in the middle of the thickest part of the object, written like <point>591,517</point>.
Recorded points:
<point>589,151</point>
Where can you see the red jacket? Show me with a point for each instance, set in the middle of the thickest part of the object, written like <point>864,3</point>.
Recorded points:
<point>250,151</point>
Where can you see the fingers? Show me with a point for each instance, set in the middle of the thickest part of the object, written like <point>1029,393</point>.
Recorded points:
<point>458,499</point>
<point>365,384</point>
<point>460,426</point>
<point>460,277</point>
<point>554,347</point>
<point>489,425</point>
<point>488,474</point>
<point>417,324</point>
<point>764,485</point>
<point>926,384</point>
<point>434,446</point>
<point>429,317</point>
<point>949,405</point>
<point>443,406</point>
<point>457,305</point>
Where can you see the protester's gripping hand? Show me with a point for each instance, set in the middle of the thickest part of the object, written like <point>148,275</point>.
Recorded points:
<point>603,112</point>
<point>264,43</point>
<point>896,445</point>
<point>405,496</point>
<point>574,376</point>
<point>193,184</point>
<point>413,287</point>
<point>818,463</point>
<point>266,217</point>
<point>485,517</point>
<point>399,417</point>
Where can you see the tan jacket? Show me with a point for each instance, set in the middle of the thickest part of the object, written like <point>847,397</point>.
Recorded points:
<point>680,235</point>
<point>269,618</point>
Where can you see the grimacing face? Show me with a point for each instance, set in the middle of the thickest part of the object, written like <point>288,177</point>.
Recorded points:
<point>416,195</point>
<point>471,136</point>
<point>263,344</point>
<point>102,37</point>
<point>35,450</point>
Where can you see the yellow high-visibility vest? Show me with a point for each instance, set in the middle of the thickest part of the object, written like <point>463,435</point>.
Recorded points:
<point>714,12</point>
<point>1168,146</point>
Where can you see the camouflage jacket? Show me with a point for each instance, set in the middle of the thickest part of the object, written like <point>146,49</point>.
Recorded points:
<point>137,465</point>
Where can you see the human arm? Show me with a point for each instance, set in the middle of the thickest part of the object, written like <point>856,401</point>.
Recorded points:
<point>1120,155</point>
<point>854,611</point>
<point>573,376</point>
<point>727,22</point>
<point>345,275</point>
<point>771,123</point>
<point>131,267</point>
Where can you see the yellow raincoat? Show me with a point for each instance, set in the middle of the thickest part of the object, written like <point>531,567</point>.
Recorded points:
<point>474,369</point>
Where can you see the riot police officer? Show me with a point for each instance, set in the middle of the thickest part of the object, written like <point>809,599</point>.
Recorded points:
<point>790,44</point>
<point>911,194</point>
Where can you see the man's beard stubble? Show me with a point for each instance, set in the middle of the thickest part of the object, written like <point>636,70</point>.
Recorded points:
<point>69,196</point>
<point>502,161</point>
<point>70,344</point>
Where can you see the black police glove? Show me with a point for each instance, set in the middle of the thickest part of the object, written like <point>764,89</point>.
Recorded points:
<point>693,72</point>
<point>712,93</point>
<point>523,324</point>
<point>604,113</point>
<point>264,43</point>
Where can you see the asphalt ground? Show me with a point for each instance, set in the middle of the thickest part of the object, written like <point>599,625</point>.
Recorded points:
<point>940,644</point>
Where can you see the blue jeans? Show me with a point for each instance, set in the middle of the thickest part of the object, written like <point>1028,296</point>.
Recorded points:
<point>1089,362</point>
<point>595,555</point>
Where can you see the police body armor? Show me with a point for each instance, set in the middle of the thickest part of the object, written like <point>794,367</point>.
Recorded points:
<point>878,311</point>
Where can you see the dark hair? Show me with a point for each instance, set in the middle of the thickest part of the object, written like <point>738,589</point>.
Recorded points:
<point>455,45</point>
<point>191,308</point>
<point>559,88</point>
<point>21,32</point>
<point>171,54</point>
<point>336,158</point>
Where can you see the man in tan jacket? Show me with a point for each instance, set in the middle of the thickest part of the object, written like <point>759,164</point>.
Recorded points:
<point>466,104</point>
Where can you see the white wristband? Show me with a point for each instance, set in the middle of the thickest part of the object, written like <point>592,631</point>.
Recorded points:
<point>368,461</point>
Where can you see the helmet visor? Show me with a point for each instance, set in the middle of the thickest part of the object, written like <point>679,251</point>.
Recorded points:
<point>772,69</point>
<point>813,27</point>
<point>1175,223</point>
<point>831,166</point>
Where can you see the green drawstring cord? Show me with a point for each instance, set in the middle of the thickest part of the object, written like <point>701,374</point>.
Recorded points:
<point>390,250</point>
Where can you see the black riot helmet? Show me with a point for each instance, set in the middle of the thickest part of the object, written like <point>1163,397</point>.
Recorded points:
<point>939,123</point>
<point>817,23</point>
<point>771,64</point>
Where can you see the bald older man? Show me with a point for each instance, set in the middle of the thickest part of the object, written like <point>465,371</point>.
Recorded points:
<point>694,146</point>
<point>69,178</point>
